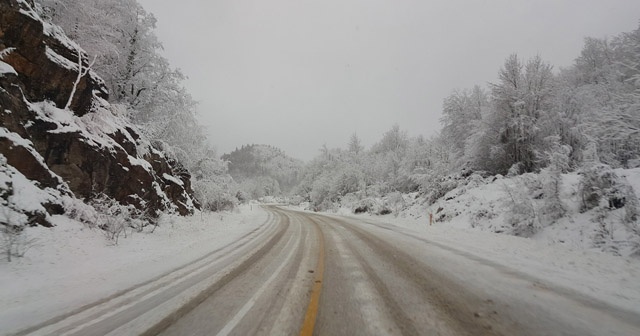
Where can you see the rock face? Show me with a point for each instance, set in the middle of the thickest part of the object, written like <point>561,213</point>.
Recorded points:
<point>83,150</point>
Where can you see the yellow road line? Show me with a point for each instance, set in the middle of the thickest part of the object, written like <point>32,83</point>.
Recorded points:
<point>312,310</point>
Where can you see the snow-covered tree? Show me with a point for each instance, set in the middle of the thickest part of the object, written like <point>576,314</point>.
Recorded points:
<point>355,145</point>
<point>553,207</point>
<point>520,98</point>
<point>602,91</point>
<point>462,116</point>
<point>120,35</point>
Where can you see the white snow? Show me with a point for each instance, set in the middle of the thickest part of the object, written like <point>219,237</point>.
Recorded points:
<point>60,60</point>
<point>96,127</point>
<point>484,204</point>
<point>6,69</point>
<point>25,196</point>
<point>140,162</point>
<point>15,138</point>
<point>172,179</point>
<point>73,265</point>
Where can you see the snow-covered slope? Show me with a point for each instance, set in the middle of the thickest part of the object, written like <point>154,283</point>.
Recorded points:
<point>500,204</point>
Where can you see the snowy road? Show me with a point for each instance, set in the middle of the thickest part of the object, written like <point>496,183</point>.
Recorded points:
<point>303,273</point>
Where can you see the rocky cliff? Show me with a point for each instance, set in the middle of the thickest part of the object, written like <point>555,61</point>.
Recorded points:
<point>78,147</point>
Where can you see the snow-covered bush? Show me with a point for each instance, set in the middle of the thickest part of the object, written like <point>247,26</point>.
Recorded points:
<point>374,206</point>
<point>632,213</point>
<point>604,237</point>
<point>214,196</point>
<point>601,186</point>
<point>111,217</point>
<point>351,200</point>
<point>349,180</point>
<point>80,211</point>
<point>614,205</point>
<point>439,187</point>
<point>213,186</point>
<point>321,194</point>
<point>14,241</point>
<point>553,207</point>
<point>522,215</point>
<point>515,170</point>
<point>13,220</point>
<point>115,218</point>
<point>395,202</point>
<point>21,205</point>
<point>479,216</point>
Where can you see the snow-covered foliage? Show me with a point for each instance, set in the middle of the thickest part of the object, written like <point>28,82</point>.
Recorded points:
<point>560,138</point>
<point>115,220</point>
<point>396,164</point>
<point>262,170</point>
<point>119,35</point>
<point>213,186</point>
<point>592,108</point>
<point>517,205</point>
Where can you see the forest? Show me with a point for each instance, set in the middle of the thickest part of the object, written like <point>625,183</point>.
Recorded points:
<point>534,119</point>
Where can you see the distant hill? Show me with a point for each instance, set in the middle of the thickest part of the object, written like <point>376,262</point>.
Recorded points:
<point>263,170</point>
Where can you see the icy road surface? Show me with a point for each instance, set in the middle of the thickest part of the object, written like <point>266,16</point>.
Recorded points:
<point>304,273</point>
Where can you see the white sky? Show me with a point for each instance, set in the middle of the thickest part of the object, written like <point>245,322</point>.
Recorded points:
<point>298,74</point>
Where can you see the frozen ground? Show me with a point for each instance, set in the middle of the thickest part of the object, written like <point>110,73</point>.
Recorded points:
<point>71,265</point>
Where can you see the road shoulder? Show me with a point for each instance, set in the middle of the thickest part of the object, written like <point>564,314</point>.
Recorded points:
<point>73,266</point>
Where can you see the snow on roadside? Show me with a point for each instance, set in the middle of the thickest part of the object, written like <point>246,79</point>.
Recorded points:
<point>72,265</point>
<point>592,273</point>
<point>516,206</point>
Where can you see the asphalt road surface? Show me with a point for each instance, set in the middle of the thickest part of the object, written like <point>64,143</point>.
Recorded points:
<point>302,273</point>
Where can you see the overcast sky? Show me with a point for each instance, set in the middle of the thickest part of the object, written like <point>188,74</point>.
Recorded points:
<point>298,74</point>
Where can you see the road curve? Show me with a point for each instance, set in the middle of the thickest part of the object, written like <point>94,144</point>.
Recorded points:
<point>330,275</point>
<point>384,280</point>
<point>311,274</point>
<point>268,297</point>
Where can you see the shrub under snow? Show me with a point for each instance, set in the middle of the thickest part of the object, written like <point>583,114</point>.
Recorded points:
<point>596,208</point>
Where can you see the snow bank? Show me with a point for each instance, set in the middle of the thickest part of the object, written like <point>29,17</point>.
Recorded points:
<point>489,205</point>
<point>72,265</point>
<point>504,205</point>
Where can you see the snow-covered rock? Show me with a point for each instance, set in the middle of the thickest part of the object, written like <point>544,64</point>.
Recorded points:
<point>84,147</point>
